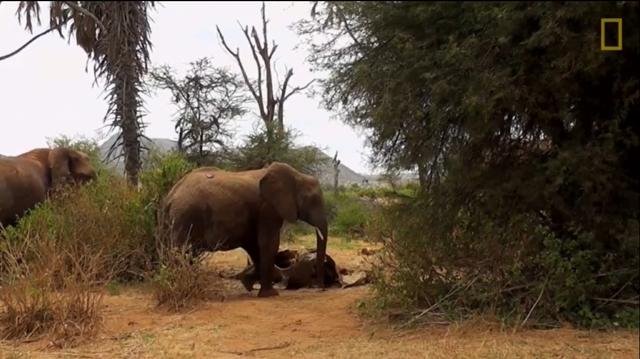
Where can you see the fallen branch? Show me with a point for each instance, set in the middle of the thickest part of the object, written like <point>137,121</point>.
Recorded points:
<point>426,311</point>
<point>622,301</point>
<point>536,303</point>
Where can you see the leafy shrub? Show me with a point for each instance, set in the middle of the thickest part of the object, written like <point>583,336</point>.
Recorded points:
<point>106,216</point>
<point>88,146</point>
<point>436,263</point>
<point>348,214</point>
<point>257,151</point>
<point>162,173</point>
<point>58,259</point>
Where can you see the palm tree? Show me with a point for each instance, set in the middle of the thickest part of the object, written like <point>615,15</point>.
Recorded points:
<point>115,35</point>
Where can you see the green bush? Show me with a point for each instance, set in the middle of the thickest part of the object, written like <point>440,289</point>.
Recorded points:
<point>348,214</point>
<point>257,151</point>
<point>461,263</point>
<point>107,215</point>
<point>162,172</point>
<point>88,146</point>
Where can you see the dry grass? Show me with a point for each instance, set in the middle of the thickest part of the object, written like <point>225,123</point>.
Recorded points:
<point>180,282</point>
<point>49,289</point>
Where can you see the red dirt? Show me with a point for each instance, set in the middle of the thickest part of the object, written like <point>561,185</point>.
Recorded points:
<point>307,324</point>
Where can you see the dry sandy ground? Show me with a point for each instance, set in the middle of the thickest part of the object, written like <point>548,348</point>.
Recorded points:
<point>307,324</point>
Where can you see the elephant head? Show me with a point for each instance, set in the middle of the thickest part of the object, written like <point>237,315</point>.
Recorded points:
<point>69,167</point>
<point>296,196</point>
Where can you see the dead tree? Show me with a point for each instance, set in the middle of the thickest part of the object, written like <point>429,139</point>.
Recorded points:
<point>336,172</point>
<point>269,100</point>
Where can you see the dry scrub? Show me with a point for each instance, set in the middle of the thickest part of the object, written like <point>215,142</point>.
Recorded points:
<point>51,289</point>
<point>181,282</point>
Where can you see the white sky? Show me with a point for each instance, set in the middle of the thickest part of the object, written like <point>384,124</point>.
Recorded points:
<point>45,91</point>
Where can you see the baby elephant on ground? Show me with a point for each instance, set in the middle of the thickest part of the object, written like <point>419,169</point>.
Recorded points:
<point>294,271</point>
<point>27,179</point>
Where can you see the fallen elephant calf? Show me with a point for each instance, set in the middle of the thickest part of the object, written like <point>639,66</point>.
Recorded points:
<point>295,271</point>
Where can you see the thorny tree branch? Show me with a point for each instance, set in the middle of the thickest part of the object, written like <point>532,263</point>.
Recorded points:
<point>348,28</point>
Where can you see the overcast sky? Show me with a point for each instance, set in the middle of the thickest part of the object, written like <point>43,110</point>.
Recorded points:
<point>45,91</point>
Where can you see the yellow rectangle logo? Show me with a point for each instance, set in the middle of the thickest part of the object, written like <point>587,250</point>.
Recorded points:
<point>603,45</point>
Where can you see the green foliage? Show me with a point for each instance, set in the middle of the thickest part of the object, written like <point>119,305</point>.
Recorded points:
<point>523,134</point>
<point>82,144</point>
<point>348,213</point>
<point>207,99</point>
<point>258,151</point>
<point>108,215</point>
<point>105,215</point>
<point>162,173</point>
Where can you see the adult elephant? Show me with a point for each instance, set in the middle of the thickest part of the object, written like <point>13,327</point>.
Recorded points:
<point>27,179</point>
<point>215,210</point>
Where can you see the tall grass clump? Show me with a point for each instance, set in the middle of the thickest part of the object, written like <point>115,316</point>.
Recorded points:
<point>52,289</point>
<point>180,282</point>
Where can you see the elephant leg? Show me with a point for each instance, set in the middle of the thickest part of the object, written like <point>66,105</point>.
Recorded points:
<point>268,242</point>
<point>250,275</point>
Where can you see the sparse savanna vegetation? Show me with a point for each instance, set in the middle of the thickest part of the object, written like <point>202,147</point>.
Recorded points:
<point>517,238</point>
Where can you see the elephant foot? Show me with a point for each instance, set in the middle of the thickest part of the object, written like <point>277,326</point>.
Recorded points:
<point>267,292</point>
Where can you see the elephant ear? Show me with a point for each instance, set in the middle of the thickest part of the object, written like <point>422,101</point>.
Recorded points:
<point>278,187</point>
<point>60,163</point>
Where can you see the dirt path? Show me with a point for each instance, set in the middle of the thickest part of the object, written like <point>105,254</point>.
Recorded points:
<point>307,324</point>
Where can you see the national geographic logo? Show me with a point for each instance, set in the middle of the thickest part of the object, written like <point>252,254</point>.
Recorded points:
<point>608,32</point>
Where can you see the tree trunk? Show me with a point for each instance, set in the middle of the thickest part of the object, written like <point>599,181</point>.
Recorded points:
<point>422,177</point>
<point>127,111</point>
<point>201,146</point>
<point>336,173</point>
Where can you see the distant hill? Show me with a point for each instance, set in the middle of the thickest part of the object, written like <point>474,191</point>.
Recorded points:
<point>347,176</point>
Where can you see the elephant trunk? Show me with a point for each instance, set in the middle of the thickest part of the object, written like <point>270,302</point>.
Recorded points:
<point>321,250</point>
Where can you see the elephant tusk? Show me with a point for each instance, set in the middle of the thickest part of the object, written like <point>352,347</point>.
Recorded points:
<point>320,234</point>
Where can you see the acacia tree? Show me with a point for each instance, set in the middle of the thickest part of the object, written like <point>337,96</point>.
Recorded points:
<point>208,98</point>
<point>270,101</point>
<point>526,134</point>
<point>115,35</point>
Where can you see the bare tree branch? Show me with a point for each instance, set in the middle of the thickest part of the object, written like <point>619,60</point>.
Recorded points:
<point>299,88</point>
<point>4,57</point>
<point>264,53</point>
<point>244,72</point>
<point>245,30</point>
<point>270,100</point>
<point>283,98</point>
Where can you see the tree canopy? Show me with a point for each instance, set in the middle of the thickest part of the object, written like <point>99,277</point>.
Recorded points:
<point>208,98</point>
<point>510,112</point>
